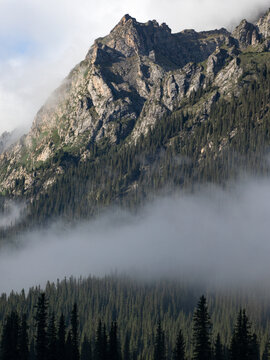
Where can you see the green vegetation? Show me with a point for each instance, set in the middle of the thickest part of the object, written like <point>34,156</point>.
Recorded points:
<point>146,320</point>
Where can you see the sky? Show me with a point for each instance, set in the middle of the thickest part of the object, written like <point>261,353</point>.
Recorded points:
<point>41,40</point>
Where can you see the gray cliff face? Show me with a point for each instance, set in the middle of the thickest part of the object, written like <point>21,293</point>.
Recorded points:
<point>263,25</point>
<point>127,82</point>
<point>246,34</point>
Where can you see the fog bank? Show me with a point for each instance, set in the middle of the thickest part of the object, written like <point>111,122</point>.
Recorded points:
<point>214,236</point>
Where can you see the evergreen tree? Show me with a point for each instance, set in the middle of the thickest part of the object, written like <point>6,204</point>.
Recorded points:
<point>179,350</point>
<point>113,350</point>
<point>61,339</point>
<point>104,341</point>
<point>52,340</point>
<point>159,350</point>
<point>202,331</point>
<point>99,342</point>
<point>69,347</point>
<point>266,351</point>
<point>75,333</point>
<point>254,348</point>
<point>23,340</point>
<point>86,351</point>
<point>32,355</point>
<point>41,328</point>
<point>10,338</point>
<point>244,345</point>
<point>219,351</point>
<point>126,350</point>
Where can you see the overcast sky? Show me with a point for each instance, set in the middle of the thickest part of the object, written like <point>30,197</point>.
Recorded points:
<point>42,40</point>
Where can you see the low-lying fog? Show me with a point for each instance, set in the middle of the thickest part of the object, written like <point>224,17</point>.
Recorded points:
<point>216,236</point>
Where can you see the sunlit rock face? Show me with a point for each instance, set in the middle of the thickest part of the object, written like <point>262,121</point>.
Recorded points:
<point>127,82</point>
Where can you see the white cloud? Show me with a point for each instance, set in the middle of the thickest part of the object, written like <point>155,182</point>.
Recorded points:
<point>58,34</point>
<point>217,237</point>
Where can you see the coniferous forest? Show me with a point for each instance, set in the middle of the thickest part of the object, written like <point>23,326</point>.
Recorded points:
<point>121,318</point>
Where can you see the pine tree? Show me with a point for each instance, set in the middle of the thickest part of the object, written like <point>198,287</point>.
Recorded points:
<point>202,331</point>
<point>244,345</point>
<point>23,340</point>
<point>159,350</point>
<point>126,351</point>
<point>68,347</point>
<point>254,348</point>
<point>86,351</point>
<point>104,341</point>
<point>179,350</point>
<point>75,333</point>
<point>41,328</point>
<point>52,340</point>
<point>219,351</point>
<point>113,350</point>
<point>61,339</point>
<point>10,338</point>
<point>266,352</point>
<point>99,342</point>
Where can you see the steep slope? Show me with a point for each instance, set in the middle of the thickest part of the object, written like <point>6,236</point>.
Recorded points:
<point>144,109</point>
<point>128,80</point>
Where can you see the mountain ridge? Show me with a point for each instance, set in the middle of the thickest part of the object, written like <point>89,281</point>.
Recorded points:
<point>128,82</point>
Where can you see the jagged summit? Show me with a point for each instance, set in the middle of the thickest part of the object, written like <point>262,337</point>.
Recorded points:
<point>263,24</point>
<point>130,80</point>
<point>246,34</point>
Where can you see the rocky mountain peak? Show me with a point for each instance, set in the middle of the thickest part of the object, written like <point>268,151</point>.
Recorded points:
<point>263,24</point>
<point>125,19</point>
<point>129,80</point>
<point>246,34</point>
<point>130,37</point>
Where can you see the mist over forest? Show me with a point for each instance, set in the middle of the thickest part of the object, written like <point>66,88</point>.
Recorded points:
<point>213,236</point>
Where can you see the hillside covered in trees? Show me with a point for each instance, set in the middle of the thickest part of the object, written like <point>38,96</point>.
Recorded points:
<point>164,111</point>
<point>143,320</point>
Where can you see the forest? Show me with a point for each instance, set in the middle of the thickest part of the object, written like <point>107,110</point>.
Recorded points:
<point>121,318</point>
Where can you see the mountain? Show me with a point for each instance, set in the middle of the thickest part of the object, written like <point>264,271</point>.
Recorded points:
<point>146,109</point>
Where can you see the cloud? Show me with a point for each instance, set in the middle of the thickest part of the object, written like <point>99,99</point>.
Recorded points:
<point>213,236</point>
<point>42,40</point>
<point>13,211</point>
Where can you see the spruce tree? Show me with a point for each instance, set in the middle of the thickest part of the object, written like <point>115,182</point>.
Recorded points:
<point>104,343</point>
<point>219,351</point>
<point>10,338</point>
<point>23,340</point>
<point>52,340</point>
<point>69,347</point>
<point>179,350</point>
<point>126,350</point>
<point>113,349</point>
<point>86,350</point>
<point>75,333</point>
<point>61,339</point>
<point>99,342</point>
<point>202,331</point>
<point>244,345</point>
<point>266,351</point>
<point>41,328</point>
<point>159,350</point>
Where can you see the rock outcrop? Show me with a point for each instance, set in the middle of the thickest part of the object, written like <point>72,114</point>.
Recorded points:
<point>128,81</point>
<point>246,34</point>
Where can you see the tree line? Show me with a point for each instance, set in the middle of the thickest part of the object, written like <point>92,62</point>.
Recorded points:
<point>60,339</point>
